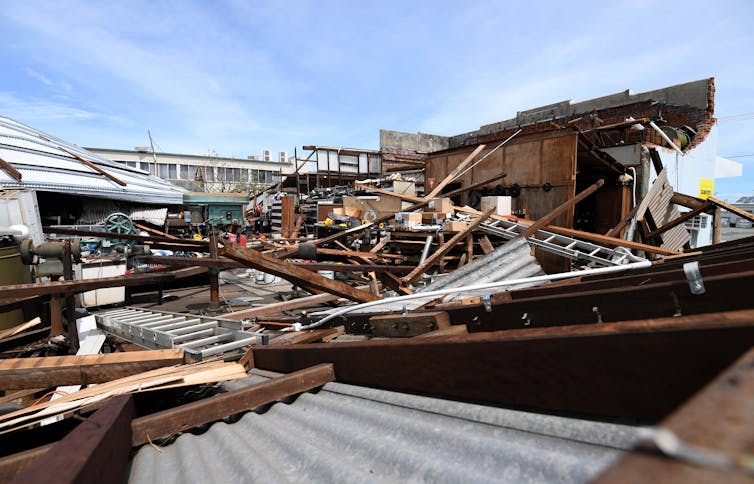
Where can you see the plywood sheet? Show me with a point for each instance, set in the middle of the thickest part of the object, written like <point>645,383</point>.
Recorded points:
<point>523,163</point>
<point>559,159</point>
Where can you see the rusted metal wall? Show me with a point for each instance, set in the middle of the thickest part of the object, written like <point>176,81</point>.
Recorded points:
<point>529,161</point>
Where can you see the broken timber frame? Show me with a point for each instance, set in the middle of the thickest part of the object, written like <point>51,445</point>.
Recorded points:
<point>571,368</point>
<point>52,371</point>
<point>458,169</point>
<point>442,250</point>
<point>295,274</point>
<point>171,421</point>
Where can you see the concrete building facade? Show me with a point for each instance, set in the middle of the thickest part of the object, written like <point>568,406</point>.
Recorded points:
<point>204,173</point>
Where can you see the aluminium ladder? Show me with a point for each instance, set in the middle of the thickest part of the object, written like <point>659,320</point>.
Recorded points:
<point>198,336</point>
<point>571,248</point>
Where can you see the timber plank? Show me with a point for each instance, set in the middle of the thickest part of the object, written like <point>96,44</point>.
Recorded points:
<point>51,371</point>
<point>62,287</point>
<point>718,418</point>
<point>276,308</point>
<point>411,324</point>
<point>600,370</point>
<point>446,247</point>
<point>454,173</point>
<point>294,274</point>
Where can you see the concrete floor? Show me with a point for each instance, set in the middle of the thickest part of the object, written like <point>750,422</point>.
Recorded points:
<point>733,233</point>
<point>238,290</point>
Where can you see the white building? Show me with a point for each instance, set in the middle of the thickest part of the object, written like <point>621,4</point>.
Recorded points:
<point>205,173</point>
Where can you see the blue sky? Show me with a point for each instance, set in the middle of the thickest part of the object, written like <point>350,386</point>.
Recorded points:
<point>238,76</point>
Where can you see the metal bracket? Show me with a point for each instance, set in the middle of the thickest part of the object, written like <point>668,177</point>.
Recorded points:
<point>694,276</point>
<point>596,310</point>
<point>487,303</point>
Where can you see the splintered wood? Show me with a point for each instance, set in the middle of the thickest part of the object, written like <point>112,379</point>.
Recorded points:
<point>161,378</point>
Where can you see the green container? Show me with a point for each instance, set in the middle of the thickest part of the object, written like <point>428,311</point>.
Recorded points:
<point>12,271</point>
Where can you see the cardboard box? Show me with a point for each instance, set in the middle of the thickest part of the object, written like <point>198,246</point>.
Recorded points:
<point>408,219</point>
<point>454,226</point>
<point>432,218</point>
<point>441,205</point>
<point>377,204</point>
<point>404,187</point>
<point>503,204</point>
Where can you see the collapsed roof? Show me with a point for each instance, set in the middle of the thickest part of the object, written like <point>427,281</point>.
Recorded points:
<point>33,160</point>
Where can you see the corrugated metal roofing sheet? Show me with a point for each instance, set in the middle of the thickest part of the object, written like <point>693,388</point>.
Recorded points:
<point>509,261</point>
<point>46,165</point>
<point>356,434</point>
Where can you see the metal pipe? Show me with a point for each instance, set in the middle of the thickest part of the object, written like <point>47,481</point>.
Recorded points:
<point>665,137</point>
<point>477,287</point>
<point>427,246</point>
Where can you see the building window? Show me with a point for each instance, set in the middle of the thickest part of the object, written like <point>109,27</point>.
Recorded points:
<point>132,164</point>
<point>166,171</point>
<point>144,166</point>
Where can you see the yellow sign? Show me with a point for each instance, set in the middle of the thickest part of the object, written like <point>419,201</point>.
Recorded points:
<point>706,188</point>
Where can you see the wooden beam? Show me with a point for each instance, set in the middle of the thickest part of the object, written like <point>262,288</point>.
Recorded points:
<point>381,244</point>
<point>686,200</point>
<point>678,221</point>
<point>458,169</point>
<point>295,274</point>
<point>225,263</point>
<point>457,330</point>
<point>656,160</point>
<point>587,302</point>
<point>155,231</point>
<point>12,465</point>
<point>485,244</point>
<point>95,167</point>
<point>276,308</point>
<point>718,419</point>
<point>402,196</point>
<point>354,253</point>
<point>303,337</point>
<point>446,247</point>
<point>97,450</point>
<point>452,193</point>
<point>7,333</point>
<point>411,324</point>
<point>566,369</point>
<point>10,170</point>
<point>568,204</point>
<point>616,231</point>
<point>293,250</point>
<point>63,287</point>
<point>717,226</point>
<point>732,208</point>
<point>52,371</point>
<point>179,419</point>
